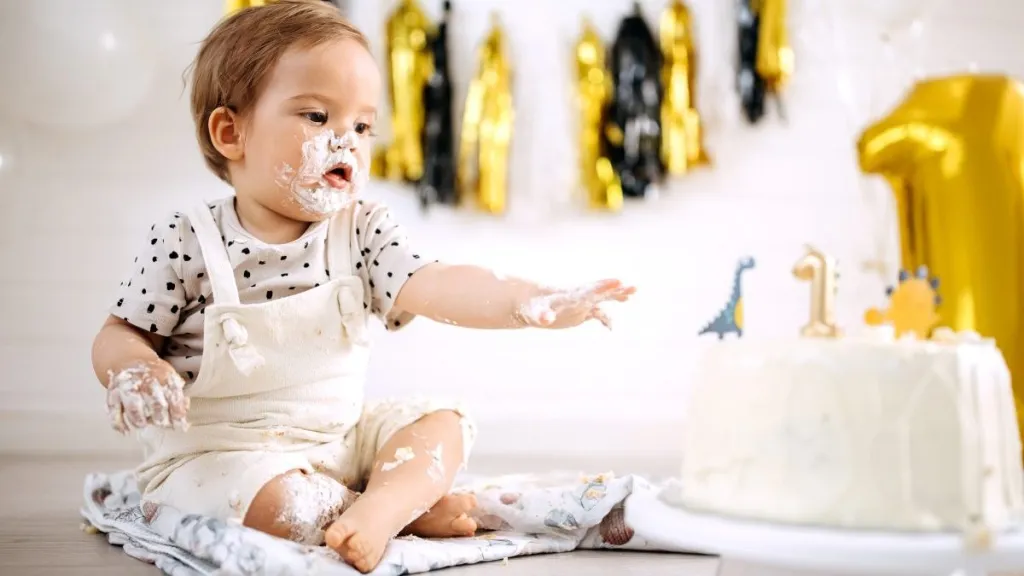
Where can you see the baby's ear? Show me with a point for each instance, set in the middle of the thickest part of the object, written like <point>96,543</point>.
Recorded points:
<point>226,133</point>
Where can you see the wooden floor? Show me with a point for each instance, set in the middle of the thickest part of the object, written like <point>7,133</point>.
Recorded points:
<point>40,531</point>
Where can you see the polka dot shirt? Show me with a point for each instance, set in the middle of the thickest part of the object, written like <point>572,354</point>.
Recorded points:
<point>168,289</point>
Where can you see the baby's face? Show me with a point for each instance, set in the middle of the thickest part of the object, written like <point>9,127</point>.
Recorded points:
<point>308,141</point>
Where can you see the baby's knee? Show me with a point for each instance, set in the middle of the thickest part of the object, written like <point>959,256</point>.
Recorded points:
<point>446,417</point>
<point>456,423</point>
<point>467,429</point>
<point>298,506</point>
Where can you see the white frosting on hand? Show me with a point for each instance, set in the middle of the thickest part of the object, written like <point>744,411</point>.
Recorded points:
<point>140,396</point>
<point>539,311</point>
<point>545,310</point>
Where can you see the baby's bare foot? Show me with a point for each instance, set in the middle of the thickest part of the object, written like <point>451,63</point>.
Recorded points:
<point>448,518</point>
<point>361,535</point>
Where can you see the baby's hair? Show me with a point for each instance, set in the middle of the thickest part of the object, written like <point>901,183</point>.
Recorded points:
<point>237,57</point>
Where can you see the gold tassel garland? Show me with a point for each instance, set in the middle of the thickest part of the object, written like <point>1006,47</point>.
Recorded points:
<point>682,142</point>
<point>594,91</point>
<point>408,68</point>
<point>775,61</point>
<point>232,6</point>
<point>487,127</point>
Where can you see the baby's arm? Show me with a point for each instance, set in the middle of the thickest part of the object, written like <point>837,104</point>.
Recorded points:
<point>142,388</point>
<point>475,297</point>
<point>468,296</point>
<point>403,285</point>
<point>120,344</point>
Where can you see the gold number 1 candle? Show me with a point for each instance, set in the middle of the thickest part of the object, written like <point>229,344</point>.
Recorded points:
<point>820,270</point>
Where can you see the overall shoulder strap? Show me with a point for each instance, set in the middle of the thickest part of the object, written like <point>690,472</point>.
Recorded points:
<point>341,240</point>
<point>215,255</point>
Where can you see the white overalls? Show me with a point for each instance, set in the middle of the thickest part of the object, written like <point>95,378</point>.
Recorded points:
<point>280,388</point>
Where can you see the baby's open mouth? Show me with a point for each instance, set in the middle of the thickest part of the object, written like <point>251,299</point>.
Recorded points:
<point>339,176</point>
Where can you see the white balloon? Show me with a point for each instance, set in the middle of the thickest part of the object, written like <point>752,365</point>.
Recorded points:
<point>177,27</point>
<point>72,64</point>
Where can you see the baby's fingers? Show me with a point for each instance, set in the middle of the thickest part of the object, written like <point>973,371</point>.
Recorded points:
<point>116,412</point>
<point>606,290</point>
<point>603,287</point>
<point>134,409</point>
<point>619,295</point>
<point>600,316</point>
<point>177,406</point>
<point>624,293</point>
<point>156,406</point>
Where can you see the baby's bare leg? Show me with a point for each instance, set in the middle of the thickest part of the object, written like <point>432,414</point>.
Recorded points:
<point>298,506</point>
<point>411,473</point>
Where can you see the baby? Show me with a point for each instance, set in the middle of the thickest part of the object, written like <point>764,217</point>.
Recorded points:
<point>238,348</point>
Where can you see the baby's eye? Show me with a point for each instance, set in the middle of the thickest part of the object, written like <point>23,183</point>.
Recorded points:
<point>364,128</point>
<point>316,117</point>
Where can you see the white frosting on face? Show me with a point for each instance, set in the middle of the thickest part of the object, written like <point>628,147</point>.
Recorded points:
<point>322,152</point>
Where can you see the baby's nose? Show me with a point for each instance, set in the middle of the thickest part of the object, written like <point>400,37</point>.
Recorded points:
<point>349,140</point>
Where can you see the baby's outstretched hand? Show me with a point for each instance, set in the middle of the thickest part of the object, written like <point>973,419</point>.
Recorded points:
<point>145,394</point>
<point>568,308</point>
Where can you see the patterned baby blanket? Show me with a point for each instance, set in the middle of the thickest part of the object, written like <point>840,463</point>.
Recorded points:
<point>523,515</point>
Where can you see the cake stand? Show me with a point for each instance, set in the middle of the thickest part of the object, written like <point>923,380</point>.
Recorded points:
<point>766,548</point>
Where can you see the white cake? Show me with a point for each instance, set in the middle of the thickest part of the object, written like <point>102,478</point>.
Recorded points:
<point>864,433</point>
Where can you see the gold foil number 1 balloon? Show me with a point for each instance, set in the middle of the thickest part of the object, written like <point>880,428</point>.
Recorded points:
<point>953,151</point>
<point>820,270</point>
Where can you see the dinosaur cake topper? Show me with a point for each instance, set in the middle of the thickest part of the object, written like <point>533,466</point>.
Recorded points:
<point>912,305</point>
<point>730,319</point>
<point>819,269</point>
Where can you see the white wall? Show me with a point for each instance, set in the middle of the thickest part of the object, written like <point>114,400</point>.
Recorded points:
<point>75,205</point>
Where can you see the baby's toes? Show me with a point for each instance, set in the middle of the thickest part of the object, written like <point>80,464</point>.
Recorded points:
<point>354,547</point>
<point>464,503</point>
<point>338,534</point>
<point>449,517</point>
<point>452,505</point>
<point>361,553</point>
<point>463,525</point>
